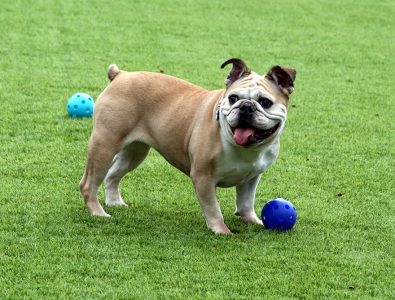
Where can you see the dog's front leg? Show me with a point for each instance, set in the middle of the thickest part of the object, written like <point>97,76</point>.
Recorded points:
<point>205,190</point>
<point>245,198</point>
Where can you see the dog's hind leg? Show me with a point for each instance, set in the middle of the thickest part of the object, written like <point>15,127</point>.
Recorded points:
<point>125,161</point>
<point>101,151</point>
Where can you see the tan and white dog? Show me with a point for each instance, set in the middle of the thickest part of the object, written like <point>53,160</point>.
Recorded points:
<point>220,138</point>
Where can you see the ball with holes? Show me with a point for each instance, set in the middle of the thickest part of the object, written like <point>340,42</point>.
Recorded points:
<point>279,214</point>
<point>80,105</point>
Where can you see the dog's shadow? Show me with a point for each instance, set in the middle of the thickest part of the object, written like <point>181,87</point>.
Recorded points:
<point>138,220</point>
<point>161,214</point>
<point>153,222</point>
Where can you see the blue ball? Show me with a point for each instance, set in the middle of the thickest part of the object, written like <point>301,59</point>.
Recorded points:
<point>80,105</point>
<point>279,214</point>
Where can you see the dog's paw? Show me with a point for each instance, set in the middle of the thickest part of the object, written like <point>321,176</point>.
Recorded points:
<point>250,218</point>
<point>220,229</point>
<point>101,214</point>
<point>115,202</point>
<point>96,209</point>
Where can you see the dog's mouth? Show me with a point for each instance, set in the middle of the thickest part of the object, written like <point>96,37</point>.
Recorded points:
<point>246,136</point>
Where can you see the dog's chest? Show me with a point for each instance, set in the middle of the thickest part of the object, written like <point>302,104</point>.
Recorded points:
<point>238,165</point>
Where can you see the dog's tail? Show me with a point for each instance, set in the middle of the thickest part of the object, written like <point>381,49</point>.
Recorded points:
<point>112,72</point>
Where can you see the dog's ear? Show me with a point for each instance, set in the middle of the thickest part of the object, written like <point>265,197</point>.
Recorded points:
<point>283,77</point>
<point>239,70</point>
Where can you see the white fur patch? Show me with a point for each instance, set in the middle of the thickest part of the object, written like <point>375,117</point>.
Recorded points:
<point>238,164</point>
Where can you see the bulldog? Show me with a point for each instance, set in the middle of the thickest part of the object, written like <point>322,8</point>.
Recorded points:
<point>220,138</point>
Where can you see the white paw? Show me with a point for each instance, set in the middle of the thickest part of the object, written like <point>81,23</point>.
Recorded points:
<point>102,214</point>
<point>220,229</point>
<point>115,202</point>
<point>96,209</point>
<point>250,217</point>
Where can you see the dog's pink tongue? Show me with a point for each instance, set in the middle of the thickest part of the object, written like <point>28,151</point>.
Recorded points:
<point>242,135</point>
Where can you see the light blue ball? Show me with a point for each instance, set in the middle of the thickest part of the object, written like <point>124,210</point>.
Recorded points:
<point>80,105</point>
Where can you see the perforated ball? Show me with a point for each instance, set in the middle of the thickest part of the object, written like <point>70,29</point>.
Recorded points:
<point>279,214</point>
<point>80,105</point>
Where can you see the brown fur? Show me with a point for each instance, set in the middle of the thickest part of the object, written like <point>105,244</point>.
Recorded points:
<point>139,110</point>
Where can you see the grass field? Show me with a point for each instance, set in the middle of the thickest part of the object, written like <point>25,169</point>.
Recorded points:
<point>336,164</point>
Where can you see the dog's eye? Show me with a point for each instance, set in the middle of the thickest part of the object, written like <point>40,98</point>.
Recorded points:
<point>233,99</point>
<point>265,103</point>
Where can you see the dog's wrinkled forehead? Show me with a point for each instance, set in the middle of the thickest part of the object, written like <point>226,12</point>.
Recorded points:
<point>255,86</point>
<point>278,82</point>
<point>252,80</point>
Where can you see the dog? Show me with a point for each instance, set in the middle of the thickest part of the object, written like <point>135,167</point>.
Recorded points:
<point>220,138</point>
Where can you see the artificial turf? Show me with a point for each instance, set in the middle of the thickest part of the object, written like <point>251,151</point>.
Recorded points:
<point>336,163</point>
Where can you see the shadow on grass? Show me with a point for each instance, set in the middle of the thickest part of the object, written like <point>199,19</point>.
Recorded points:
<point>154,223</point>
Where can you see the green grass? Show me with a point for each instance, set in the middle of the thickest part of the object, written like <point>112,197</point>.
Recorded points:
<point>336,164</point>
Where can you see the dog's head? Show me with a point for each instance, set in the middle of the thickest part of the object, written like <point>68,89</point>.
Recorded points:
<point>253,110</point>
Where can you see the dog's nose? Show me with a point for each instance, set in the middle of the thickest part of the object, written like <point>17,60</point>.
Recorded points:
<point>247,108</point>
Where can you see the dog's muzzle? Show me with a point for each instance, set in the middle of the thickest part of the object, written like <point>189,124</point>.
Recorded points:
<point>245,131</point>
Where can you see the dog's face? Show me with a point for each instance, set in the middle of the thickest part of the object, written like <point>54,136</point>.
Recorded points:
<point>254,108</point>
